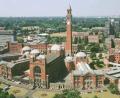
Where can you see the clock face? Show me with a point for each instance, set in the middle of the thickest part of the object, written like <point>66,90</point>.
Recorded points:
<point>68,22</point>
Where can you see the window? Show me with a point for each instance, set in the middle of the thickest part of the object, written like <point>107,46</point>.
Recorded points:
<point>37,71</point>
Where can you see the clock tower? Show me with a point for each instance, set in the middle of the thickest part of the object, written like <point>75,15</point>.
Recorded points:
<point>68,46</point>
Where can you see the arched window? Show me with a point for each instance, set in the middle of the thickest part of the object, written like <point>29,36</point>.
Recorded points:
<point>37,71</point>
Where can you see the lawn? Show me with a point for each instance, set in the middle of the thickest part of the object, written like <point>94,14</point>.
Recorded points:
<point>43,94</point>
<point>100,95</point>
<point>2,85</point>
<point>17,91</point>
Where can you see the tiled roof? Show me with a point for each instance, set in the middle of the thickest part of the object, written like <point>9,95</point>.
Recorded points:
<point>12,64</point>
<point>114,73</point>
<point>50,58</point>
<point>82,69</point>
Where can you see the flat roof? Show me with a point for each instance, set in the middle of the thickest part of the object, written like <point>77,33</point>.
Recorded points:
<point>117,75</point>
<point>113,72</point>
<point>6,32</point>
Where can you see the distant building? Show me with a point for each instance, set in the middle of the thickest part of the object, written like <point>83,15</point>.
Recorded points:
<point>115,57</point>
<point>2,28</point>
<point>113,27</point>
<point>6,36</point>
<point>93,38</point>
<point>30,28</point>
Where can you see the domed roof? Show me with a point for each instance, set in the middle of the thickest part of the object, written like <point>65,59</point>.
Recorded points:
<point>35,51</point>
<point>80,54</point>
<point>26,53</point>
<point>41,57</point>
<point>56,47</point>
<point>69,59</point>
<point>26,48</point>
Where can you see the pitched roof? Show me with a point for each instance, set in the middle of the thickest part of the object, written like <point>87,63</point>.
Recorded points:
<point>82,69</point>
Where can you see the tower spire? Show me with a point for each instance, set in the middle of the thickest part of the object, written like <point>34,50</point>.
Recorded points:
<point>68,47</point>
<point>69,5</point>
<point>69,10</point>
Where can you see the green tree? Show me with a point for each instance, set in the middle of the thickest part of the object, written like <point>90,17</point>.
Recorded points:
<point>93,55</point>
<point>100,56</point>
<point>95,48</point>
<point>27,97</point>
<point>59,96</point>
<point>79,40</point>
<point>11,96</point>
<point>73,94</point>
<point>68,94</point>
<point>95,96</point>
<point>112,43</point>
<point>113,88</point>
<point>75,40</point>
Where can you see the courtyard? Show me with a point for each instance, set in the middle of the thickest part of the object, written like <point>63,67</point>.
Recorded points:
<point>17,91</point>
<point>43,94</point>
<point>21,93</point>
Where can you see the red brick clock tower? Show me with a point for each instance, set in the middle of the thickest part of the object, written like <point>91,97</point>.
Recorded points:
<point>68,46</point>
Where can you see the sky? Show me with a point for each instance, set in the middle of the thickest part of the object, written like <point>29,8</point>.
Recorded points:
<point>40,8</point>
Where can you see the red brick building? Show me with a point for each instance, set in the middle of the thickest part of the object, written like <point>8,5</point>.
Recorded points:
<point>117,57</point>
<point>83,77</point>
<point>9,70</point>
<point>46,68</point>
<point>17,47</point>
<point>93,38</point>
<point>48,63</point>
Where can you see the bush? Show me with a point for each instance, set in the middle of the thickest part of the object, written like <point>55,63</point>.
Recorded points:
<point>68,94</point>
<point>113,88</point>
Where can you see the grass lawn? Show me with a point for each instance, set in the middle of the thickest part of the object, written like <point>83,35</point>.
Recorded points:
<point>43,94</point>
<point>100,95</point>
<point>17,91</point>
<point>2,85</point>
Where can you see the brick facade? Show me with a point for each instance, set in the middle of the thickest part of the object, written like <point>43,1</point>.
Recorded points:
<point>68,46</point>
<point>93,38</point>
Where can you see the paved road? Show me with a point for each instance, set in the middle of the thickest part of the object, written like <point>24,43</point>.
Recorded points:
<point>7,82</point>
<point>14,84</point>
